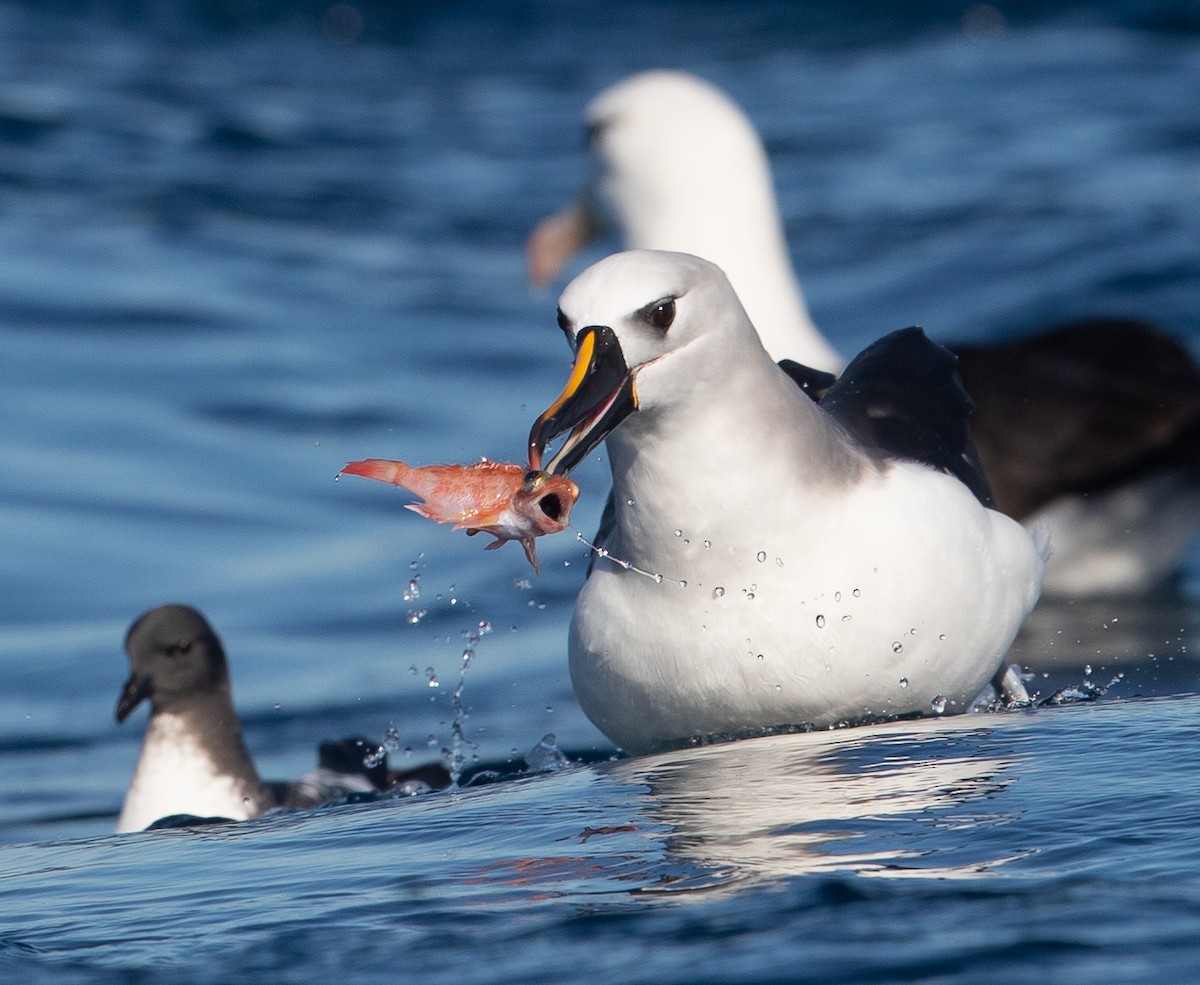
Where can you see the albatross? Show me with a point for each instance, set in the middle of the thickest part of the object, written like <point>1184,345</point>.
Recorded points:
<point>772,562</point>
<point>1091,428</point>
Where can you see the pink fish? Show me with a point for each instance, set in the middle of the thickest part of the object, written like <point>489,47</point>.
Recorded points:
<point>510,502</point>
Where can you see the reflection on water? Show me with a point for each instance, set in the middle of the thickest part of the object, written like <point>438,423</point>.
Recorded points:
<point>853,800</point>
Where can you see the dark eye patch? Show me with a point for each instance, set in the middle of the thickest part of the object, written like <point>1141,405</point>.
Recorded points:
<point>660,314</point>
<point>565,324</point>
<point>593,133</point>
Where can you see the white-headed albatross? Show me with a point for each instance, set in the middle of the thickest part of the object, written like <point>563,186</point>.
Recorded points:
<point>1093,429</point>
<point>820,563</point>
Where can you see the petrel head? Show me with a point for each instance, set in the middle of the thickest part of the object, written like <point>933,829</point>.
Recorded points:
<point>173,653</point>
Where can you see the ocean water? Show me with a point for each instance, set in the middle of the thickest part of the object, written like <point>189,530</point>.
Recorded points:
<point>242,245</point>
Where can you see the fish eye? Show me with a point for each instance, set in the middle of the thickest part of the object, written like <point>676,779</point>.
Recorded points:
<point>533,479</point>
<point>662,314</point>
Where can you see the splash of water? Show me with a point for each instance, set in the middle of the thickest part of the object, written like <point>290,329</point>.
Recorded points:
<point>603,552</point>
<point>546,757</point>
<point>459,744</point>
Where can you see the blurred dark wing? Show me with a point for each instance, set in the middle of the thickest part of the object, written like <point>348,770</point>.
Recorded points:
<point>1080,408</point>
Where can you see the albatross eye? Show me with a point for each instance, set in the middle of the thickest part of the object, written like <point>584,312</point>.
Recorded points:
<point>565,324</point>
<point>662,314</point>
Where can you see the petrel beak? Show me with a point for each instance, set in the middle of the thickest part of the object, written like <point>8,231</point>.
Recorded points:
<point>599,395</point>
<point>136,688</point>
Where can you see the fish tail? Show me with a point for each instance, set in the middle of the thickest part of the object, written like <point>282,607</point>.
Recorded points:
<point>382,469</point>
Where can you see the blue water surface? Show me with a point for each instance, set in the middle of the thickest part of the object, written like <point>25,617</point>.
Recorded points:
<point>242,245</point>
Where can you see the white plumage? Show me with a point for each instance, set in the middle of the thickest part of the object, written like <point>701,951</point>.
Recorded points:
<point>825,582</point>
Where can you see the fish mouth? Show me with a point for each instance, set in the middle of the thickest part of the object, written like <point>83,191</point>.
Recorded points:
<point>136,689</point>
<point>554,504</point>
<point>599,395</point>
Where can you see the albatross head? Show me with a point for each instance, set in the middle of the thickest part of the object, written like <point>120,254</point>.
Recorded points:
<point>673,162</point>
<point>648,328</point>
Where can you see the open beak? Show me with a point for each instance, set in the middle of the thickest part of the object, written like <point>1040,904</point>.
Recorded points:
<point>599,395</point>
<point>136,689</point>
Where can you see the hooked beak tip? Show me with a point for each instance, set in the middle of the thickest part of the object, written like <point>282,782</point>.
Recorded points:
<point>599,395</point>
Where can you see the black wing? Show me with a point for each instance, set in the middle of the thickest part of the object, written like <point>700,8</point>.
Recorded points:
<point>1080,408</point>
<point>814,382</point>
<point>903,397</point>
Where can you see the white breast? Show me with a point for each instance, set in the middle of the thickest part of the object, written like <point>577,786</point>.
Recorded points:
<point>174,775</point>
<point>883,599</point>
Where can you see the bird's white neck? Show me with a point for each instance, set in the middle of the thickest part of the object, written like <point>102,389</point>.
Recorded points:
<point>190,765</point>
<point>729,216</point>
<point>667,465</point>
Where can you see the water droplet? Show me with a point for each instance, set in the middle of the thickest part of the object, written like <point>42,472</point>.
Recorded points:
<point>778,687</point>
<point>762,556</point>
<point>779,562</point>
<point>678,533</point>
<point>686,541</point>
<point>485,627</point>
<point>759,658</point>
<point>718,592</point>
<point>433,681</point>
<point>941,636</point>
<point>904,682</point>
<point>897,646</point>
<point>416,615</point>
<point>629,502</point>
<point>707,544</point>
<point>938,704</point>
<point>683,584</point>
<point>1087,669</point>
<point>413,670</point>
<point>658,579</point>
<point>846,618</point>
<point>837,596</point>
<point>856,593</point>
<point>820,622</point>
<point>749,596</point>
<point>413,589</point>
